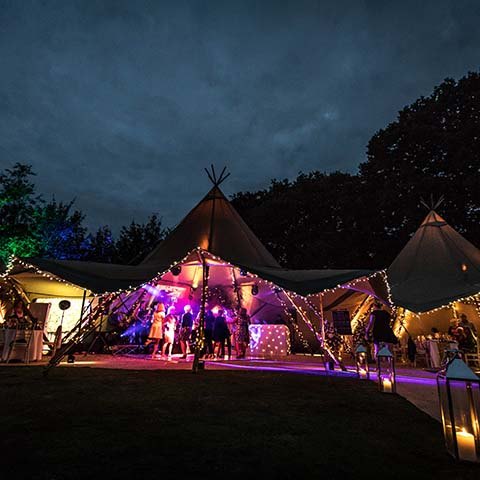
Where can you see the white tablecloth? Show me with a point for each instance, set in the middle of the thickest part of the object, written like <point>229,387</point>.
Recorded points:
<point>434,353</point>
<point>269,340</point>
<point>18,353</point>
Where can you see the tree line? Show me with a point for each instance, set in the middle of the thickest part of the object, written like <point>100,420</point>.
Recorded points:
<point>363,220</point>
<point>33,227</point>
<point>318,220</point>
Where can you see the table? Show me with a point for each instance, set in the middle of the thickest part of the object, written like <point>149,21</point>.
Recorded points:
<point>269,340</point>
<point>35,346</point>
<point>433,353</point>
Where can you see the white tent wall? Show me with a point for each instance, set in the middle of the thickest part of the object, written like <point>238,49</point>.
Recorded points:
<point>422,324</point>
<point>265,303</point>
<point>39,288</point>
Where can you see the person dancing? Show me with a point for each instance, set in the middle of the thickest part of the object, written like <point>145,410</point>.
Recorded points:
<point>156,330</point>
<point>169,332</point>
<point>186,330</point>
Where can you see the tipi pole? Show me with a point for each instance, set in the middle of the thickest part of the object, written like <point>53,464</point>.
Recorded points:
<point>236,289</point>
<point>322,339</point>
<point>322,321</point>
<point>200,339</point>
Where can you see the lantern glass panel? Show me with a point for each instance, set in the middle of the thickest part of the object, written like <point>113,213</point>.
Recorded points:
<point>465,398</point>
<point>459,402</point>
<point>445,414</point>
<point>362,365</point>
<point>386,375</point>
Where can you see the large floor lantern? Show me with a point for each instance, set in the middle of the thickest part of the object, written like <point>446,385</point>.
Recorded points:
<point>361,362</point>
<point>386,371</point>
<point>459,393</point>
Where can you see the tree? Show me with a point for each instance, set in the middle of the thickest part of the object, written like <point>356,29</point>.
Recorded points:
<point>362,221</point>
<point>29,227</point>
<point>100,247</point>
<point>138,240</point>
<point>307,223</point>
<point>18,205</point>
<point>432,149</point>
<point>60,232</point>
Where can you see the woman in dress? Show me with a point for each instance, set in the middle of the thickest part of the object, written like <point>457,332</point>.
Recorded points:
<point>156,330</point>
<point>169,332</point>
<point>242,321</point>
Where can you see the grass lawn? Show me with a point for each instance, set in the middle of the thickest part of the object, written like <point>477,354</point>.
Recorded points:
<point>93,423</point>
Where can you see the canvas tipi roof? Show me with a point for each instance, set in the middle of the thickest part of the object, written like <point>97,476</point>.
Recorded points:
<point>436,267</point>
<point>215,226</point>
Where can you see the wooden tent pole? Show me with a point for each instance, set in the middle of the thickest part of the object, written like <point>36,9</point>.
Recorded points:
<point>200,339</point>
<point>236,289</point>
<point>82,308</point>
<point>321,340</point>
<point>322,321</point>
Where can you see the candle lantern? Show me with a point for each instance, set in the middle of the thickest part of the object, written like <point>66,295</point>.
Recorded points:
<point>361,362</point>
<point>386,371</point>
<point>459,394</point>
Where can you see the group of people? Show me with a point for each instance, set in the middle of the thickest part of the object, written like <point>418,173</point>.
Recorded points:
<point>464,333</point>
<point>461,331</point>
<point>19,317</point>
<point>217,332</point>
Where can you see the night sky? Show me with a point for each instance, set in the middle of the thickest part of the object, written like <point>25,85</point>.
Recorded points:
<point>122,104</point>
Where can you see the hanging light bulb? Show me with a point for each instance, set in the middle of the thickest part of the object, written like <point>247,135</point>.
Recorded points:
<point>176,270</point>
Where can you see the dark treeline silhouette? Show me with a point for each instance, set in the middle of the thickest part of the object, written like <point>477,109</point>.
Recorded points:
<point>32,227</point>
<point>363,220</point>
<point>318,220</point>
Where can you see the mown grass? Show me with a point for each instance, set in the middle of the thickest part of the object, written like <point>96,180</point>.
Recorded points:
<point>93,423</point>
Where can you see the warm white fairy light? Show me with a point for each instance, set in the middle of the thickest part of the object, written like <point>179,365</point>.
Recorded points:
<point>47,275</point>
<point>110,295</point>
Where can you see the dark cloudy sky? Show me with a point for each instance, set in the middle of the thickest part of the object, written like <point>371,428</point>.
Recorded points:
<point>122,103</point>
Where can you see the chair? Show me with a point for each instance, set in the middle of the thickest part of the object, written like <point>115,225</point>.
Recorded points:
<point>21,340</point>
<point>422,353</point>
<point>399,353</point>
<point>473,359</point>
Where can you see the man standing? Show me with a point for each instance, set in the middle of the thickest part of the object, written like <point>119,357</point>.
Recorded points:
<point>468,342</point>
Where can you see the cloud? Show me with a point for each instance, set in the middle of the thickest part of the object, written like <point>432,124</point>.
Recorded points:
<point>121,104</point>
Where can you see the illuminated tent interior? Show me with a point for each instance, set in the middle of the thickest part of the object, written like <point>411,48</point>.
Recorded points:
<point>240,268</point>
<point>436,277</point>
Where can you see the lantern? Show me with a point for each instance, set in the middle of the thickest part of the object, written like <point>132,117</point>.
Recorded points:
<point>459,395</point>
<point>386,371</point>
<point>361,362</point>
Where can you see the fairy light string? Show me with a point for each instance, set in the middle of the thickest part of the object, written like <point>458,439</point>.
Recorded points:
<point>294,297</point>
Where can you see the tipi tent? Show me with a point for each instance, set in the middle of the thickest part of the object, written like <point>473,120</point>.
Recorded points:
<point>438,271</point>
<point>214,226</point>
<point>212,235</point>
